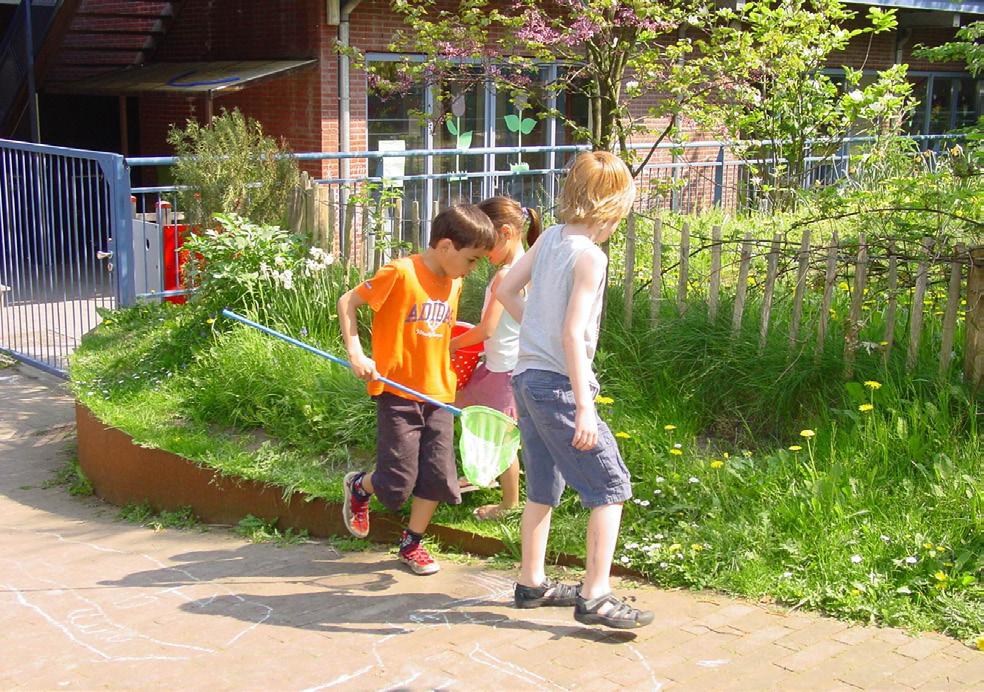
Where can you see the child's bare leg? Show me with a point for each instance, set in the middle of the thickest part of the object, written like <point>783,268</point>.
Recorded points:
<point>421,512</point>
<point>535,529</point>
<point>509,482</point>
<point>366,482</point>
<point>603,526</point>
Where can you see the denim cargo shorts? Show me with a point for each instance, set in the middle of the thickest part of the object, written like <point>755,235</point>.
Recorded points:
<point>545,403</point>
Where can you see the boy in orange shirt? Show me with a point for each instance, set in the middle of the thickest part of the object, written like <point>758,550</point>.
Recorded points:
<point>415,300</point>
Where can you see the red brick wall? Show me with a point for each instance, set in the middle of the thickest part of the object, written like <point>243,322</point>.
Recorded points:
<point>289,107</point>
<point>304,107</point>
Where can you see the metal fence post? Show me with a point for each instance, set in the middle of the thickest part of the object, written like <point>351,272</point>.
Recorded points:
<point>121,229</point>
<point>719,177</point>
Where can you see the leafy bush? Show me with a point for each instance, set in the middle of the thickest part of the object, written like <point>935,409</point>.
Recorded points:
<point>229,165</point>
<point>232,265</point>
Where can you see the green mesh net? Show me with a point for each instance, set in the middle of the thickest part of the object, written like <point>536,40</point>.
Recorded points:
<point>488,444</point>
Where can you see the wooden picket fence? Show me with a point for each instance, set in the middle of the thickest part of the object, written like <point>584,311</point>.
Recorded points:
<point>364,234</point>
<point>825,264</point>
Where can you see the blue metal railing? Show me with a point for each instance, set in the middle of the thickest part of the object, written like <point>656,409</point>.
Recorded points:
<point>16,60</point>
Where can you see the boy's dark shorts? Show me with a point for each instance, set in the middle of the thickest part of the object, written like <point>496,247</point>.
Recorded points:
<point>414,452</point>
<point>545,402</point>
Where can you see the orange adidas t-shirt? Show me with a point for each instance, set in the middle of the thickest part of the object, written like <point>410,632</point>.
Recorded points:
<point>411,330</point>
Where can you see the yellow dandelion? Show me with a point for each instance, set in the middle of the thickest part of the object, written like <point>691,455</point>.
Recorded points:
<point>871,384</point>
<point>940,576</point>
<point>716,464</point>
<point>883,343</point>
<point>855,592</point>
<point>669,427</point>
<point>928,546</point>
<point>696,547</point>
<point>675,547</point>
<point>980,643</point>
<point>807,433</point>
<point>623,435</point>
<point>843,286</point>
<point>676,452</point>
<point>211,320</point>
<point>864,408</point>
<point>794,448</point>
<point>604,400</point>
<point>727,456</point>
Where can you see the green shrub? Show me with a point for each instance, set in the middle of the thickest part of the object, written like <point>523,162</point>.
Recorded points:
<point>229,165</point>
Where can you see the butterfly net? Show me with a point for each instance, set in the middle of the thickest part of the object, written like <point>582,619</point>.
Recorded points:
<point>488,444</point>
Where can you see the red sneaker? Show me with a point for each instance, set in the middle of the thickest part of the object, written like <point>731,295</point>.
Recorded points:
<point>416,557</point>
<point>355,510</point>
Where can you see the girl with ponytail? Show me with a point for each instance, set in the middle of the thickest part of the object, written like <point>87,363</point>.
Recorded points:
<point>491,385</point>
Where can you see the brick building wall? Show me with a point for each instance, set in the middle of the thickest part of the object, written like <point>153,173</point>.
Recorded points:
<point>303,107</point>
<point>290,107</point>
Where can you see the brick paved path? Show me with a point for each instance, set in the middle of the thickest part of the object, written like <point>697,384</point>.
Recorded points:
<point>87,602</point>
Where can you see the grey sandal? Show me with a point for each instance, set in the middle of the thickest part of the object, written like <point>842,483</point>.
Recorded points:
<point>549,593</point>
<point>620,615</point>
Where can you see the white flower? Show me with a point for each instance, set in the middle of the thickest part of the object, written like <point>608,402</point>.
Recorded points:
<point>660,479</point>
<point>911,560</point>
<point>644,503</point>
<point>787,575</point>
<point>631,546</point>
<point>657,492</point>
<point>658,536</point>
<point>856,559</point>
<point>287,279</point>
<point>664,565</point>
<point>624,559</point>
<point>280,261</point>
<point>631,85</point>
<point>678,446</point>
<point>856,96</point>
<point>694,479</point>
<point>885,538</point>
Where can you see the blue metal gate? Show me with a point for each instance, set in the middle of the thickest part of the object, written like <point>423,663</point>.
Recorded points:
<point>64,213</point>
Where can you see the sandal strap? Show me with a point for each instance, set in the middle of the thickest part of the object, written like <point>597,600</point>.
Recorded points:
<point>619,609</point>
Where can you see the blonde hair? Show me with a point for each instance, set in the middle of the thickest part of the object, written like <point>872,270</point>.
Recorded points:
<point>598,189</point>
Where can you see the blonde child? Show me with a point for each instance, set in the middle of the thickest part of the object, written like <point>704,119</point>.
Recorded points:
<point>490,384</point>
<point>564,441</point>
<point>415,300</point>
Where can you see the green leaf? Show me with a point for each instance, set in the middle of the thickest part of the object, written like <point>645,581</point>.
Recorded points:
<point>452,128</point>
<point>512,122</point>
<point>527,125</point>
<point>464,140</point>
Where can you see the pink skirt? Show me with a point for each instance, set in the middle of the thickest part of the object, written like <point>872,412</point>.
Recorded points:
<point>487,388</point>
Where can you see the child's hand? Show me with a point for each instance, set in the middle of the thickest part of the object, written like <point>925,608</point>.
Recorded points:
<point>585,430</point>
<point>364,368</point>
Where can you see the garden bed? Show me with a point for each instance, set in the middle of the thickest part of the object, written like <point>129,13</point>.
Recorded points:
<point>873,515</point>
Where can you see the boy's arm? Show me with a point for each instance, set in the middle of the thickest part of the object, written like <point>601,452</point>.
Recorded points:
<point>589,272</point>
<point>348,306</point>
<point>490,319</point>
<point>510,292</point>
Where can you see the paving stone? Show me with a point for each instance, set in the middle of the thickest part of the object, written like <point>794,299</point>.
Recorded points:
<point>811,656</point>
<point>922,647</point>
<point>96,603</point>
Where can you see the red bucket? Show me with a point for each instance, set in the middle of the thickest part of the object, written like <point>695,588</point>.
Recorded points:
<point>465,360</point>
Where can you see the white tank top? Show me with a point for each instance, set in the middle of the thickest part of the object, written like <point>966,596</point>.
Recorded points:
<point>502,348</point>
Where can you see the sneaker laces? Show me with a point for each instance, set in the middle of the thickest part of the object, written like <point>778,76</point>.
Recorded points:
<point>418,553</point>
<point>359,507</point>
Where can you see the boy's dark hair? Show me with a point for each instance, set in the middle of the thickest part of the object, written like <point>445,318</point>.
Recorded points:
<point>465,225</point>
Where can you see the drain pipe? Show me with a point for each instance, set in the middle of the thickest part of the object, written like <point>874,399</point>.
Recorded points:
<point>344,89</point>
<point>344,110</point>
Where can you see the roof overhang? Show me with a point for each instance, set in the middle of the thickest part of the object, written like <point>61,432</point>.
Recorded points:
<point>189,78</point>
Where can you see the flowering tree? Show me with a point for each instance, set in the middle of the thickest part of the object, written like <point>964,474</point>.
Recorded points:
<point>786,115</point>
<point>608,51</point>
